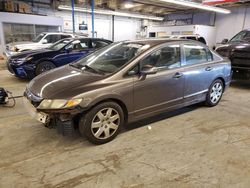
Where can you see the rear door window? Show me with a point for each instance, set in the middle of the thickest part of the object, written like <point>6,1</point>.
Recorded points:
<point>191,38</point>
<point>65,36</point>
<point>99,43</point>
<point>201,39</point>
<point>77,45</point>
<point>195,54</point>
<point>52,38</point>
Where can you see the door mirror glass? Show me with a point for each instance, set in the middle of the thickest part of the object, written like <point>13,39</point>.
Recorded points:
<point>148,70</point>
<point>131,73</point>
<point>44,41</point>
<point>224,41</point>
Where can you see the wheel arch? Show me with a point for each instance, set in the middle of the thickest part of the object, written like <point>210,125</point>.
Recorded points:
<point>222,79</point>
<point>111,99</point>
<point>44,60</point>
<point>41,61</point>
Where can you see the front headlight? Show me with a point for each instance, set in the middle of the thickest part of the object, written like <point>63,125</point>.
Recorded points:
<point>28,58</point>
<point>58,103</point>
<point>19,61</point>
<point>14,48</point>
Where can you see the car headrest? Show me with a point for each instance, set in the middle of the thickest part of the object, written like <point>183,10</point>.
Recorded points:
<point>195,52</point>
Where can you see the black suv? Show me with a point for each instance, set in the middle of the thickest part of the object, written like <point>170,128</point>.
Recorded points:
<point>238,51</point>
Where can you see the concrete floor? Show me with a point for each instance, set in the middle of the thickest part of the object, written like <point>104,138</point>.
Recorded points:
<point>192,147</point>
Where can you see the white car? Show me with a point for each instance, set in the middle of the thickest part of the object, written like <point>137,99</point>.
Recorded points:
<point>43,40</point>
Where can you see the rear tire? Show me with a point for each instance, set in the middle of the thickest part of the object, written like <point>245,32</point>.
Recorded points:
<point>102,123</point>
<point>215,93</point>
<point>44,67</point>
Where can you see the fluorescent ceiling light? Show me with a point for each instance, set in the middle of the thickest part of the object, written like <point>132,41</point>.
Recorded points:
<point>197,5</point>
<point>128,5</point>
<point>109,12</point>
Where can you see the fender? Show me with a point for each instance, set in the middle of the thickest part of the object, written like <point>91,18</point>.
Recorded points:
<point>89,103</point>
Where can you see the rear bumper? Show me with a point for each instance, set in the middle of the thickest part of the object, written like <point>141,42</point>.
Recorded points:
<point>228,80</point>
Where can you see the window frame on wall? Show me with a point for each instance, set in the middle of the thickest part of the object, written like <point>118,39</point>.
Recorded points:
<point>20,36</point>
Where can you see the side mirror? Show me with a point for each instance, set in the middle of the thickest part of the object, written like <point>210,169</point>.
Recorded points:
<point>148,70</point>
<point>224,41</point>
<point>44,41</point>
<point>67,50</point>
<point>131,73</point>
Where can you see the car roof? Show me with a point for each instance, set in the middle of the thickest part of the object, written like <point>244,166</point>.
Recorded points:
<point>59,33</point>
<point>154,42</point>
<point>79,38</point>
<point>191,35</point>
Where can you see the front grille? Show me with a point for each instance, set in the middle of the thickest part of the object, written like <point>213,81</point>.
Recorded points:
<point>10,67</point>
<point>241,55</point>
<point>240,73</point>
<point>35,104</point>
<point>241,62</point>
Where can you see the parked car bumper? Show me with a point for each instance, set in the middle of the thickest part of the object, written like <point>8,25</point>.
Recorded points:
<point>241,73</point>
<point>9,53</point>
<point>21,71</point>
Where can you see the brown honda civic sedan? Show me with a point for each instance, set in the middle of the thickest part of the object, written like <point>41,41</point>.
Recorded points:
<point>125,82</point>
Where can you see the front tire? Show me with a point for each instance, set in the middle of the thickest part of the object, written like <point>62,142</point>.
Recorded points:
<point>215,93</point>
<point>102,123</point>
<point>44,67</point>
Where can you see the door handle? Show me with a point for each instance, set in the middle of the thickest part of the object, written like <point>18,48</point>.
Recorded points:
<point>177,75</point>
<point>209,69</point>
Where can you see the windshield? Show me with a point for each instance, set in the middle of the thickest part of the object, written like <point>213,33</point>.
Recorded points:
<point>38,38</point>
<point>60,44</point>
<point>241,36</point>
<point>111,58</point>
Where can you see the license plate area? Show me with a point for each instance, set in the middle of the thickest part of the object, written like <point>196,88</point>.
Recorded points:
<point>42,117</point>
<point>39,116</point>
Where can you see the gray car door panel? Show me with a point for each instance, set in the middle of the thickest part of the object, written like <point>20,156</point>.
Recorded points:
<point>156,92</point>
<point>198,72</point>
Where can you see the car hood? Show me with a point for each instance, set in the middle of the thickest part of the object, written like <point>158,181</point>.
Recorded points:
<point>19,43</point>
<point>245,46</point>
<point>30,53</point>
<point>63,83</point>
<point>26,45</point>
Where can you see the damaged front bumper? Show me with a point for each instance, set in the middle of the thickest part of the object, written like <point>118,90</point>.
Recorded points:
<point>39,116</point>
<point>61,119</point>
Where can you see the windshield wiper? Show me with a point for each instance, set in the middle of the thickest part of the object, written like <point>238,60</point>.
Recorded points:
<point>74,65</point>
<point>93,69</point>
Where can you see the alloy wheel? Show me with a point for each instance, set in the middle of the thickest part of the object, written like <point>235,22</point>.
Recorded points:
<point>46,67</point>
<point>216,92</point>
<point>105,123</point>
